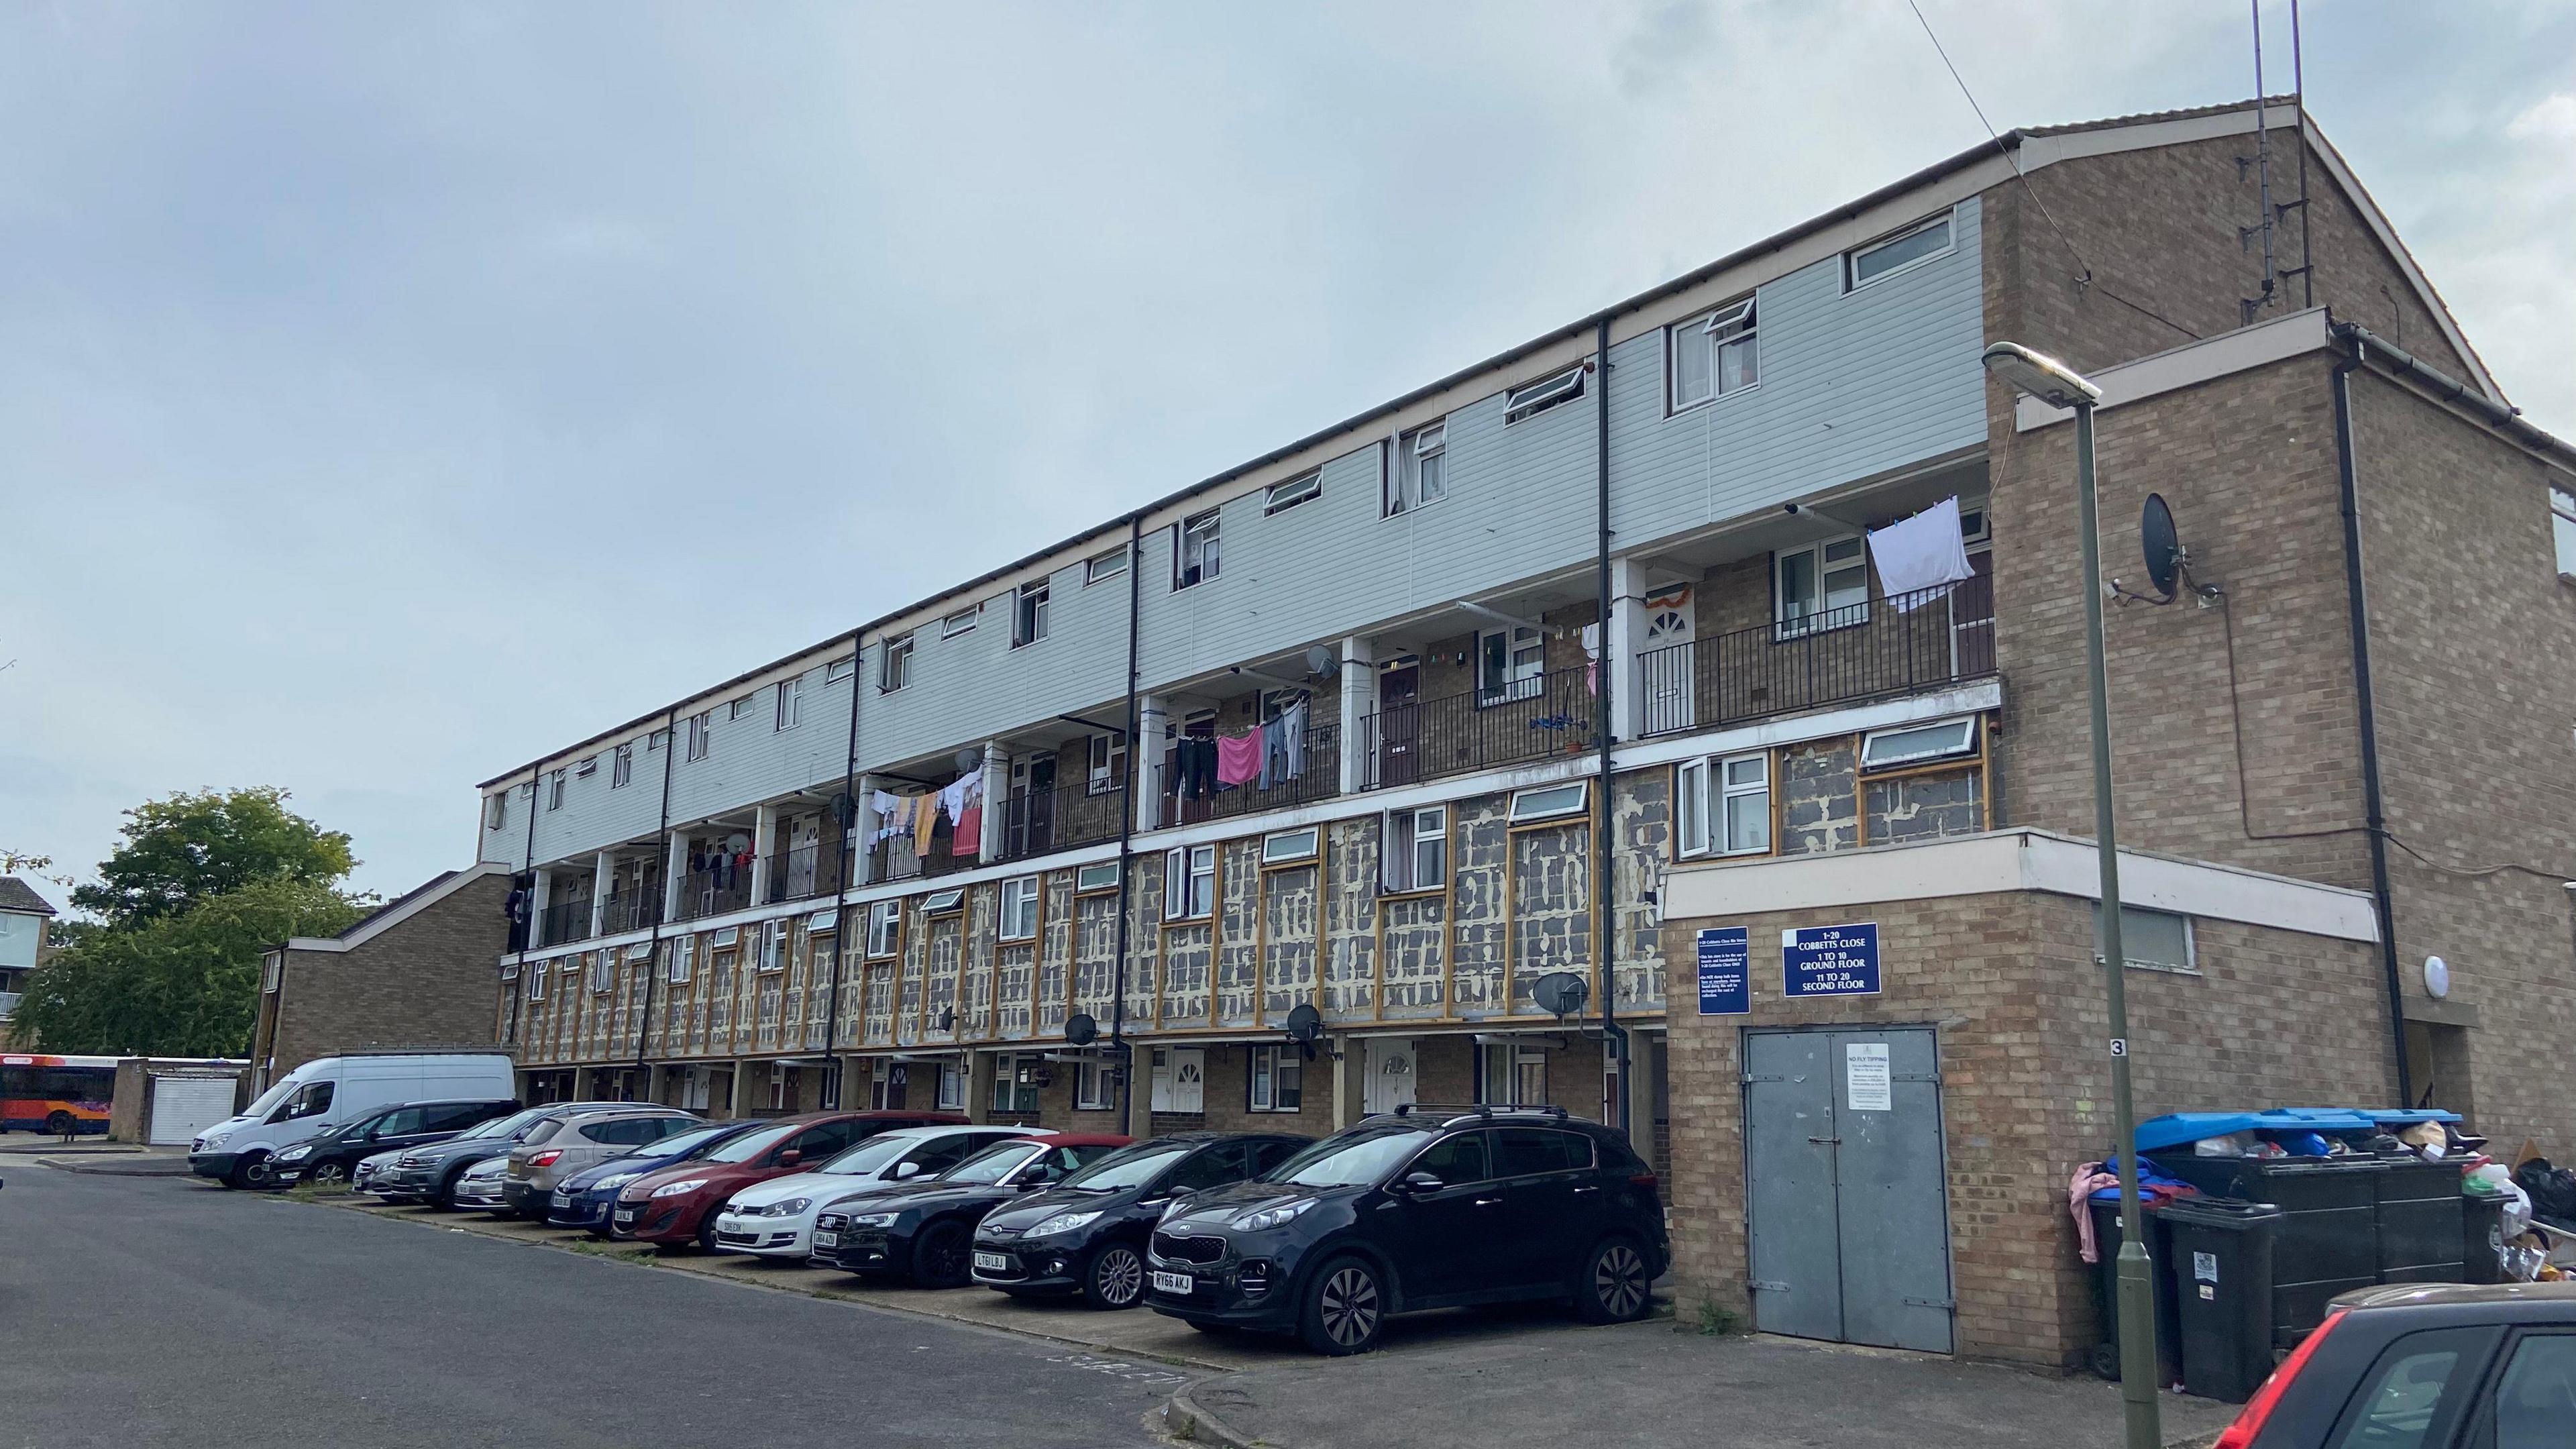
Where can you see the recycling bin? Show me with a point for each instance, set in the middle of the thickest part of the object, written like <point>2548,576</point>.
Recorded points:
<point>2420,1232</point>
<point>2106,1291</point>
<point>2482,1238</point>
<point>2328,1240</point>
<point>2221,1271</point>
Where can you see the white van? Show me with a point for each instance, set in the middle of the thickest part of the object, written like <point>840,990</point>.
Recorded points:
<point>327,1092</point>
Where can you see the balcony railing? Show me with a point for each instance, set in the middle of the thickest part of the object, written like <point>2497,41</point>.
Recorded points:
<point>636,911</point>
<point>893,860</point>
<point>715,890</point>
<point>804,872</point>
<point>1538,718</point>
<point>1879,650</point>
<point>1318,777</point>
<point>566,921</point>
<point>1059,819</point>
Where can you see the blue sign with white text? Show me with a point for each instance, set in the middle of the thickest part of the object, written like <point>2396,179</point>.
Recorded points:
<point>1831,960</point>
<point>1725,978</point>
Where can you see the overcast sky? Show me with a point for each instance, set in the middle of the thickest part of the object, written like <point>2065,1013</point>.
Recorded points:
<point>389,394</point>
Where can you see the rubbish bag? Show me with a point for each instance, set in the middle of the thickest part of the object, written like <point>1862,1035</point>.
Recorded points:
<point>2552,1191</point>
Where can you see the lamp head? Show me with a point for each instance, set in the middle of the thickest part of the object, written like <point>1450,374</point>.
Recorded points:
<point>2040,375</point>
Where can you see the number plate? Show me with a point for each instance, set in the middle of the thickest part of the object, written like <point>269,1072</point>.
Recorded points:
<point>993,1262</point>
<point>1180,1283</point>
<point>625,1217</point>
<point>823,1238</point>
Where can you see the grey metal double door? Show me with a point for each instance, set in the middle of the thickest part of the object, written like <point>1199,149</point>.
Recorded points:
<point>1848,1214</point>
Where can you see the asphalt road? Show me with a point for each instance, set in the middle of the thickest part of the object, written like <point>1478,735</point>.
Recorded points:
<point>152,1311</point>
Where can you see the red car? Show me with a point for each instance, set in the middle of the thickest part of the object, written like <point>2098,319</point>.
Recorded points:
<point>678,1204</point>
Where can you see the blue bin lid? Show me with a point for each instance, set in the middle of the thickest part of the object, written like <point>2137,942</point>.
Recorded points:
<point>2317,1119</point>
<point>2176,1129</point>
<point>2404,1118</point>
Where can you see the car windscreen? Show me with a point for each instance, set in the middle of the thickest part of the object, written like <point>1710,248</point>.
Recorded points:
<point>270,1098</point>
<point>1128,1167</point>
<point>1352,1159</point>
<point>503,1126</point>
<point>870,1155</point>
<point>992,1164</point>
<point>751,1144</point>
<point>681,1144</point>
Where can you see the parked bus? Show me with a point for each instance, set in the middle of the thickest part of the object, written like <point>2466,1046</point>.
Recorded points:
<point>60,1095</point>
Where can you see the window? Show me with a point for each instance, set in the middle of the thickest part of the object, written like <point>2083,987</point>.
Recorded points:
<point>1916,244</point>
<point>2539,1385</point>
<point>885,922</point>
<point>684,959</point>
<point>1197,558</point>
<point>621,767</point>
<point>740,707</point>
<point>1095,1086</point>
<point>1427,455</point>
<point>959,622</point>
<point>773,947</point>
<point>894,666</point>
<point>1015,1082</point>
<point>1029,614</point>
<point>1887,749</point>
<point>1455,1160</point>
<point>1107,765</point>
<point>658,740</point>
<point>1189,883</point>
<point>1509,664</point>
<point>791,703</point>
<point>1417,849</point>
<point>1511,1076</point>
<point>496,810</point>
<point>310,1100</point>
<point>554,790</point>
<point>537,981</point>
<point>951,1091</point>
<point>1712,354</point>
<point>1280,497</point>
<point>1020,909</point>
<point>701,725</point>
<point>1288,845</point>
<point>585,767</point>
<point>272,966</point>
<point>1536,1151</point>
<point>1539,396</point>
<point>2562,529</point>
<point>1101,877</point>
<point>603,972</point>
<point>1825,586</point>
<point>1106,564</point>
<point>2152,940</point>
<point>728,936</point>
<point>840,669</point>
<point>1550,801</point>
<point>822,921</point>
<point>1277,1079</point>
<point>2407,1401</point>
<point>1726,806</point>
<point>938,901</point>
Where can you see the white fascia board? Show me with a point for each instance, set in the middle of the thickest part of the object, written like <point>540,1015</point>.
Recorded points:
<point>2009,861</point>
<point>2189,365</point>
<point>409,909</point>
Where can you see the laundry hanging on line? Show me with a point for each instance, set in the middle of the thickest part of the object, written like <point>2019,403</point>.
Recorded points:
<point>1920,553</point>
<point>1238,759</point>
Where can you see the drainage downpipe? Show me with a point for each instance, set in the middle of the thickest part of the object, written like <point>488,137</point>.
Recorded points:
<point>1606,889</point>
<point>653,971</point>
<point>841,930</point>
<point>527,929</point>
<point>1118,1049</point>
<point>2370,780</point>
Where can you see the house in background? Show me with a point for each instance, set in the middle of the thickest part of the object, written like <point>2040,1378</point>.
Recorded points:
<point>24,918</point>
<point>416,973</point>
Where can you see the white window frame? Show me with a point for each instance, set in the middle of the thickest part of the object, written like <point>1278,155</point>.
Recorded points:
<point>821,921</point>
<point>2130,917</point>
<point>684,960</point>
<point>1964,746</point>
<point>1693,832</point>
<point>729,936</point>
<point>941,902</point>
<point>960,621</point>
<point>1415,849</point>
<point>621,766</point>
<point>1105,763</point>
<point>1265,1067</point>
<point>1513,1059</point>
<point>1728,792</point>
<point>1429,445</point>
<point>585,767</point>
<point>272,967</point>
<point>1106,564</point>
<point>1030,607</point>
<point>885,929</point>
<point>536,981</point>
<point>1947,221</point>
<point>791,703</point>
<point>1095,1085</point>
<point>1183,898</point>
<point>1548,802</point>
<point>840,669</point>
<point>658,740</point>
<point>1532,398</point>
<point>1098,876</point>
<point>1200,536</point>
<point>1819,615</point>
<point>1284,846</point>
<point>1287,493</point>
<point>603,973</point>
<point>701,730</point>
<point>772,953</point>
<point>1017,919</point>
<point>1712,333</point>
<point>736,709</point>
<point>1517,682</point>
<point>554,789</point>
<point>894,663</point>
<point>948,1094</point>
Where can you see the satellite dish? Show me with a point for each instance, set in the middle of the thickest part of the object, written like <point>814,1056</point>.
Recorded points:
<point>845,809</point>
<point>1560,993</point>
<point>1319,660</point>
<point>1080,1029</point>
<point>2163,546</point>
<point>969,761</point>
<point>1304,1023</point>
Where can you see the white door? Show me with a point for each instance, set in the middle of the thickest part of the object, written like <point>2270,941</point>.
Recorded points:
<point>1188,1087</point>
<point>182,1107</point>
<point>1388,1062</point>
<point>1667,665</point>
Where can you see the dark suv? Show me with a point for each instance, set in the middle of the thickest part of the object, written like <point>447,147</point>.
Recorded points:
<point>330,1158</point>
<point>1422,1208</point>
<point>1086,1234</point>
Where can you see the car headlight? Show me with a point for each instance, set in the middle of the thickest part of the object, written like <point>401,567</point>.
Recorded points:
<point>217,1139</point>
<point>1270,1217</point>
<point>684,1185</point>
<point>873,1220</point>
<point>787,1209</point>
<point>1062,1223</point>
<point>614,1181</point>
<point>296,1153</point>
<point>406,1162</point>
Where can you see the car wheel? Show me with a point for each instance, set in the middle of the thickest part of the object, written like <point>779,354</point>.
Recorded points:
<point>1116,1279</point>
<point>1345,1308</point>
<point>445,1198</point>
<point>1616,1286</point>
<point>327,1174</point>
<point>60,1124</point>
<point>942,1257</point>
<point>707,1233</point>
<point>252,1172</point>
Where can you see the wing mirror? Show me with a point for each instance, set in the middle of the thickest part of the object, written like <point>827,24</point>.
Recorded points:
<point>791,1157</point>
<point>1414,1184</point>
<point>903,1170</point>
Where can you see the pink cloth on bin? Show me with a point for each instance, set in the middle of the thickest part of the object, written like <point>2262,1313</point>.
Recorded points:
<point>2089,1179</point>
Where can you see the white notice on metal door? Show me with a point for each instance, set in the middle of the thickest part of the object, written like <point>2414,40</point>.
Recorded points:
<point>1865,1078</point>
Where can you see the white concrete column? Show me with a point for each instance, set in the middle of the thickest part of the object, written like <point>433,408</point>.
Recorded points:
<point>1145,760</point>
<point>1359,701</point>
<point>764,828</point>
<point>538,895</point>
<point>1619,638</point>
<point>863,829</point>
<point>675,874</point>
<point>603,867</point>
<point>997,790</point>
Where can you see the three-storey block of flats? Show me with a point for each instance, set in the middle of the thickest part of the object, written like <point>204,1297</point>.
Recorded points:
<point>1271,802</point>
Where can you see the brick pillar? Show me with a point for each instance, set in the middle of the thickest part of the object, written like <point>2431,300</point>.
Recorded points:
<point>1350,1081</point>
<point>979,1086</point>
<point>1140,1090</point>
<point>1645,1058</point>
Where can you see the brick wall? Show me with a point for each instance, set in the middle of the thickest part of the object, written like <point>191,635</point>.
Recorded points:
<point>424,981</point>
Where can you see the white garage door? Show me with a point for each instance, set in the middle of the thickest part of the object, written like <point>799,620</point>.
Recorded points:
<point>182,1107</point>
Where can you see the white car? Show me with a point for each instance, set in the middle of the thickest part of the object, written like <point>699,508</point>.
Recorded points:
<point>481,1186</point>
<point>369,1166</point>
<point>775,1219</point>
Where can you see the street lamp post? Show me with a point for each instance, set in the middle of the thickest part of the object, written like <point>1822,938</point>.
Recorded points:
<point>2055,383</point>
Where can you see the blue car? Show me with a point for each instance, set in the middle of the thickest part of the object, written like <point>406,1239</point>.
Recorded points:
<point>585,1199</point>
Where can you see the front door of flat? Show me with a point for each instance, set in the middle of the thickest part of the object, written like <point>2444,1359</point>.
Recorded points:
<point>1848,1215</point>
<point>1399,720</point>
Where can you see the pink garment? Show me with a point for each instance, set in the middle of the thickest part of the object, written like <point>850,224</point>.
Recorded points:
<point>2089,1179</point>
<point>1238,758</point>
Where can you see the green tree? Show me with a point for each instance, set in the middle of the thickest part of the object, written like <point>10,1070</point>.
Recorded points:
<point>181,850</point>
<point>178,984</point>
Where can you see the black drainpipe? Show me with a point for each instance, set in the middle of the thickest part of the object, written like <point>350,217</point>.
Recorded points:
<point>2370,783</point>
<point>1605,934</point>
<point>849,863</point>
<point>661,847</point>
<point>1127,833</point>
<point>527,929</point>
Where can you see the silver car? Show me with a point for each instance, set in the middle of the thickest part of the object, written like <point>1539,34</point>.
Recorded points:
<point>555,1150</point>
<point>479,1187</point>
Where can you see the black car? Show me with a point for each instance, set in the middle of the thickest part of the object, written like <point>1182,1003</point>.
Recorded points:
<point>1087,1234</point>
<point>329,1158</point>
<point>1424,1208</point>
<point>2428,1366</point>
<point>923,1231</point>
<point>429,1174</point>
